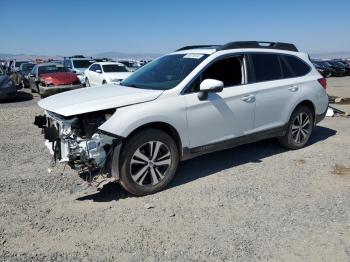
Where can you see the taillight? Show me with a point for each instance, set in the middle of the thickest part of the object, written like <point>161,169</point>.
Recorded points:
<point>323,82</point>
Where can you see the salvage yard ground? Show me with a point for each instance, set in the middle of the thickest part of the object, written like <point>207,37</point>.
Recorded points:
<point>254,202</point>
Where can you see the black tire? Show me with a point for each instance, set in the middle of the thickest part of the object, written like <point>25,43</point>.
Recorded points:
<point>104,82</point>
<point>87,83</point>
<point>142,141</point>
<point>290,139</point>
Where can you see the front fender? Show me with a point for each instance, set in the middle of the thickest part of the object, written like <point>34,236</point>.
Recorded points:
<point>171,110</point>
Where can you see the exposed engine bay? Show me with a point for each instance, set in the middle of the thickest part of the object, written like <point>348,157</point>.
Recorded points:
<point>76,140</point>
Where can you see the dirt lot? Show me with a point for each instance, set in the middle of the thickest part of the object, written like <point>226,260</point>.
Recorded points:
<point>254,202</point>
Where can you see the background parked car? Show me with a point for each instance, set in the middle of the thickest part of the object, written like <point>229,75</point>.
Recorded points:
<point>131,64</point>
<point>48,79</point>
<point>322,69</point>
<point>8,90</point>
<point>343,63</point>
<point>8,66</point>
<point>16,64</point>
<point>340,69</point>
<point>78,64</point>
<point>105,73</point>
<point>20,77</point>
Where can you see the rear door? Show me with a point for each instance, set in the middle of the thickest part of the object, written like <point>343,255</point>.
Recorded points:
<point>274,93</point>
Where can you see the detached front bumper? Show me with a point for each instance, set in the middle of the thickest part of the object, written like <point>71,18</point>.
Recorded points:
<point>8,93</point>
<point>50,90</point>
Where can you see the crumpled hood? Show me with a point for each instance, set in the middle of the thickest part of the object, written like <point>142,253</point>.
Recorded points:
<point>85,100</point>
<point>59,78</point>
<point>118,75</point>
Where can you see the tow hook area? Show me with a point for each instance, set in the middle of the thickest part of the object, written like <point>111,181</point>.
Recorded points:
<point>40,121</point>
<point>101,179</point>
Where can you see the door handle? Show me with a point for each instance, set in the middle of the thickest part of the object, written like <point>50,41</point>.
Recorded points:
<point>249,98</point>
<point>293,88</point>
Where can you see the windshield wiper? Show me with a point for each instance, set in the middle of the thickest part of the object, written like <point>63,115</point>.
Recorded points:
<point>131,85</point>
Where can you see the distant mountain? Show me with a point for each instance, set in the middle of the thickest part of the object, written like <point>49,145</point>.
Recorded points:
<point>113,55</point>
<point>119,55</point>
<point>28,56</point>
<point>345,54</point>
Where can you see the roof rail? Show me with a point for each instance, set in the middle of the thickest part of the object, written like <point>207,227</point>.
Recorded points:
<point>196,46</point>
<point>259,44</point>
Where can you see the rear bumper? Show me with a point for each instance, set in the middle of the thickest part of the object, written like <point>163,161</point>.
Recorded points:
<point>50,90</point>
<point>320,117</point>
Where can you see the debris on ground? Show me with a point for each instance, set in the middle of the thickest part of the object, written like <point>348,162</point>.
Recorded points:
<point>149,206</point>
<point>300,161</point>
<point>339,100</point>
<point>337,112</point>
<point>339,169</point>
<point>330,112</point>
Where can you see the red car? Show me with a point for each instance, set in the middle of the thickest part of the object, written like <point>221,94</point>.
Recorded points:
<point>48,79</point>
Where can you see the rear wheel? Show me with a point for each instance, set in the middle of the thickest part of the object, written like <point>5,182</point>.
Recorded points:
<point>299,129</point>
<point>87,83</point>
<point>148,162</point>
<point>104,82</point>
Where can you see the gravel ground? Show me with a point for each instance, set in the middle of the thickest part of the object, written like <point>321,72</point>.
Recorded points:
<point>254,202</point>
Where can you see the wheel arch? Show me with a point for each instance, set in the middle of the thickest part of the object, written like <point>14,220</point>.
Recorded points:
<point>165,127</point>
<point>309,104</point>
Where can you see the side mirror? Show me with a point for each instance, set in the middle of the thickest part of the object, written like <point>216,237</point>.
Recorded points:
<point>209,86</point>
<point>31,75</point>
<point>98,71</point>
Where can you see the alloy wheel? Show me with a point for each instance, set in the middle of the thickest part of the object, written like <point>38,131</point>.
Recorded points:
<point>301,128</point>
<point>150,163</point>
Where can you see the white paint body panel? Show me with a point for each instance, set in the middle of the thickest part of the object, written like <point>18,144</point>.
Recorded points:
<point>92,99</point>
<point>223,116</point>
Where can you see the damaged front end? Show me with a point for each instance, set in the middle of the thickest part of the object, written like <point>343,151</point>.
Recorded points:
<point>77,141</point>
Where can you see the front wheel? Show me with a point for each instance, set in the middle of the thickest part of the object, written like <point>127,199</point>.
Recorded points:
<point>148,162</point>
<point>299,128</point>
<point>87,83</point>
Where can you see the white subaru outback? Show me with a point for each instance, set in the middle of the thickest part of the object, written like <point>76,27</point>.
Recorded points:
<point>196,100</point>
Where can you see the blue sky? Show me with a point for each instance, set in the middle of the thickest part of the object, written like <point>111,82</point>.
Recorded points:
<point>67,27</point>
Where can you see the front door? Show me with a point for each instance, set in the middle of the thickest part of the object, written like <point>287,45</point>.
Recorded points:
<point>225,115</point>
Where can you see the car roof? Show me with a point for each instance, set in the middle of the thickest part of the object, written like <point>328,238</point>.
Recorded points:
<point>241,50</point>
<point>80,58</point>
<point>49,64</point>
<point>109,63</point>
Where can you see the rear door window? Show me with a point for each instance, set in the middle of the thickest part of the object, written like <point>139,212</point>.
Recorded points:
<point>265,67</point>
<point>287,70</point>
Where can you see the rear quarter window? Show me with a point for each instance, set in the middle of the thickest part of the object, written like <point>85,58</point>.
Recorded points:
<point>294,64</point>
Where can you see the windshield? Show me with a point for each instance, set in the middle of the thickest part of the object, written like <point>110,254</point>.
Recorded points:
<point>82,63</point>
<point>114,68</point>
<point>18,64</point>
<point>165,72</point>
<point>27,67</point>
<point>51,69</point>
